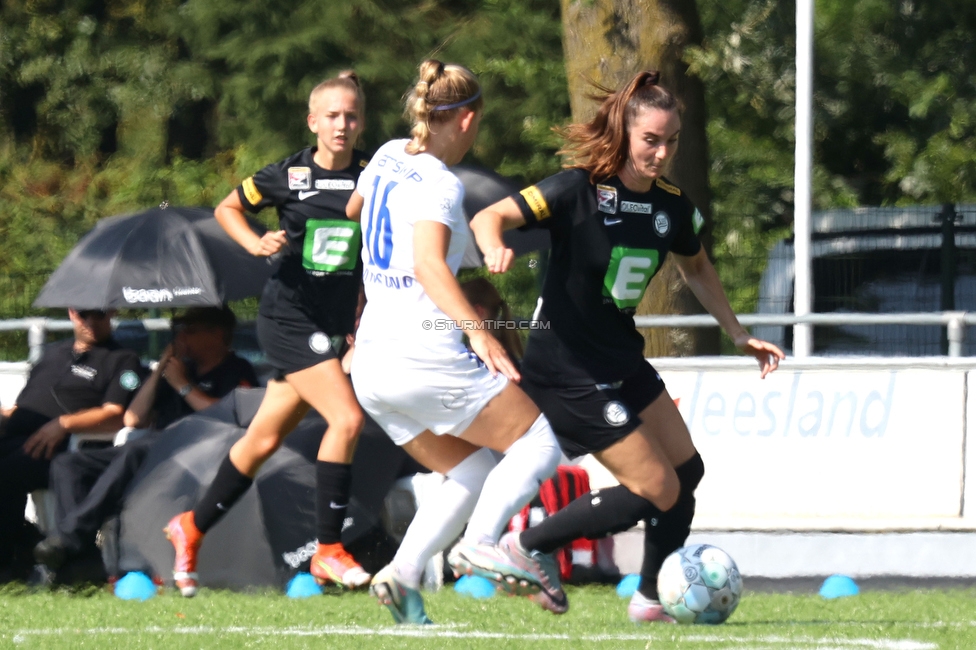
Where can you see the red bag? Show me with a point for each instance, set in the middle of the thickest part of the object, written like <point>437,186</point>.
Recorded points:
<point>568,483</point>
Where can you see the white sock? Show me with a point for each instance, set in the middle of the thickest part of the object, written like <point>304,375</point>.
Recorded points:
<point>528,462</point>
<point>441,517</point>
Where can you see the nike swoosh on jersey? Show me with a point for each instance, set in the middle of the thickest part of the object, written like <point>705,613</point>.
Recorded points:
<point>611,221</point>
<point>336,506</point>
<point>304,195</point>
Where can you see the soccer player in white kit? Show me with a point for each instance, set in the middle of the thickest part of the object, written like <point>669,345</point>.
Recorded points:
<point>446,406</point>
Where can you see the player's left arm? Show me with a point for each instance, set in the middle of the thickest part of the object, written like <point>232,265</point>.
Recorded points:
<point>431,240</point>
<point>704,282</point>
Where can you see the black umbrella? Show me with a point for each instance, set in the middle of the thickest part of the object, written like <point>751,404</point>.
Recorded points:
<point>163,257</point>
<point>270,533</point>
<point>483,187</point>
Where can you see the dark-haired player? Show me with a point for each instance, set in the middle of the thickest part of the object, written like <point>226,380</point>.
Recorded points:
<point>613,218</point>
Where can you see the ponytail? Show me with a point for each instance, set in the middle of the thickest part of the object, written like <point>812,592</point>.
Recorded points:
<point>600,146</point>
<point>440,92</point>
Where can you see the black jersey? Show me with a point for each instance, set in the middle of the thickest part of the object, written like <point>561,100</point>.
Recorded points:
<point>64,381</point>
<point>607,244</point>
<point>321,267</point>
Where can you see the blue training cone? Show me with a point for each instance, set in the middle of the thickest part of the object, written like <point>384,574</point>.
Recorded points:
<point>475,587</point>
<point>135,585</point>
<point>303,585</point>
<point>839,586</point>
<point>628,585</point>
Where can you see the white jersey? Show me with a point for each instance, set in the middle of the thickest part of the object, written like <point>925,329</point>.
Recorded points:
<point>399,190</point>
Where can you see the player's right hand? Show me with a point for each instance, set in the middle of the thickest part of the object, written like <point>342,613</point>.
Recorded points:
<point>270,243</point>
<point>492,353</point>
<point>499,260</point>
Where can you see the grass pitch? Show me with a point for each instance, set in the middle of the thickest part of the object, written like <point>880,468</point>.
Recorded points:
<point>896,620</point>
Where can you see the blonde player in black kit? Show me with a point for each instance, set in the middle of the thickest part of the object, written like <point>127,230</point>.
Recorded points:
<point>306,311</point>
<point>613,218</point>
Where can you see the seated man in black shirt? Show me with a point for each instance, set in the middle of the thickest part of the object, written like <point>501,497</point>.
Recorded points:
<point>78,385</point>
<point>194,372</point>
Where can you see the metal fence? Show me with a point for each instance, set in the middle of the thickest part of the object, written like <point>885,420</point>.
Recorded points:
<point>893,282</point>
<point>954,326</point>
<point>38,329</point>
<point>892,261</point>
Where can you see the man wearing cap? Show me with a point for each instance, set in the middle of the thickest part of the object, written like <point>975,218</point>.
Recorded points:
<point>80,385</point>
<point>193,373</point>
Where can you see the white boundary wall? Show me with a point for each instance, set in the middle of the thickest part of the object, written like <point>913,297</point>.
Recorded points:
<point>13,376</point>
<point>820,445</point>
<point>858,466</point>
<point>844,465</point>
<point>827,444</point>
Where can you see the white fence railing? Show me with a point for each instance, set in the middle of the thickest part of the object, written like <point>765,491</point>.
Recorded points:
<point>955,323</point>
<point>37,329</point>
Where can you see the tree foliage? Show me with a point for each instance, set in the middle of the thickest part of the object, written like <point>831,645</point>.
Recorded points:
<point>108,106</point>
<point>894,114</point>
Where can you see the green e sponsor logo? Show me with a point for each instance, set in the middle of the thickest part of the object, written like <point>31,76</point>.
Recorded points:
<point>331,245</point>
<point>628,274</point>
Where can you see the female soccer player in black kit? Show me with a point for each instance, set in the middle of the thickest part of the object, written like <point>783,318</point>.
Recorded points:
<point>613,218</point>
<point>306,311</point>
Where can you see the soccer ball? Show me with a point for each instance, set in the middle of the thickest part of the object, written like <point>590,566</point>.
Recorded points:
<point>699,584</point>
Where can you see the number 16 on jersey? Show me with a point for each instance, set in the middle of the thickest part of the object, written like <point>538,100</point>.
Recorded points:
<point>379,234</point>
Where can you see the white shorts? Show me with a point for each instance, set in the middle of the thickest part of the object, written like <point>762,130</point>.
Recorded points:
<point>408,396</point>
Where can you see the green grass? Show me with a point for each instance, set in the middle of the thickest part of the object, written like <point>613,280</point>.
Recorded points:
<point>899,620</point>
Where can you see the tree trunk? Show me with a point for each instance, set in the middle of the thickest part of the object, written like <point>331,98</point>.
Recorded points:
<point>609,41</point>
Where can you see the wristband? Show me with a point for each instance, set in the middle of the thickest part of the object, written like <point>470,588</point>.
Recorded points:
<point>186,390</point>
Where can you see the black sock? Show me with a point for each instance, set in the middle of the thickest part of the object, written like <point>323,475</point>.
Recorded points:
<point>667,532</point>
<point>332,482</point>
<point>596,514</point>
<point>227,487</point>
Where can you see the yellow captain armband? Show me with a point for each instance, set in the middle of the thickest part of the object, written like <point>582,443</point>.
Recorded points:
<point>537,203</point>
<point>668,187</point>
<point>251,192</point>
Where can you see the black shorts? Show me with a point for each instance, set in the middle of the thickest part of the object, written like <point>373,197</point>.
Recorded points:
<point>293,345</point>
<point>592,417</point>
